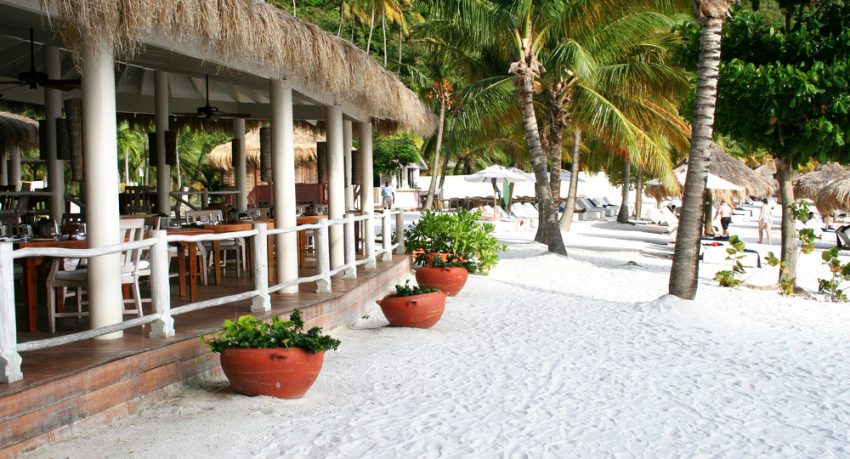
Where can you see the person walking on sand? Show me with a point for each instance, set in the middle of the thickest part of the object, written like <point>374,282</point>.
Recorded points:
<point>765,220</point>
<point>725,214</point>
<point>387,195</point>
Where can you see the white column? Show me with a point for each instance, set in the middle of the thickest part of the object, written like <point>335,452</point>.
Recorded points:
<point>4,169</point>
<point>349,182</point>
<point>101,182</point>
<point>367,202</point>
<point>239,168</point>
<point>15,168</point>
<point>283,176</point>
<point>163,170</point>
<point>367,192</point>
<point>52,111</point>
<point>336,184</point>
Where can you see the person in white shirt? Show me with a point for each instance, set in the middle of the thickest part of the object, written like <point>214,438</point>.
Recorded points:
<point>765,220</point>
<point>387,195</point>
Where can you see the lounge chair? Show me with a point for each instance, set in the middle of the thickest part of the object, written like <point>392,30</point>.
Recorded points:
<point>588,211</point>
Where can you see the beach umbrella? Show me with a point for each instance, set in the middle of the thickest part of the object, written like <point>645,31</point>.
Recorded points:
<point>566,176</point>
<point>498,174</point>
<point>835,196</point>
<point>809,185</point>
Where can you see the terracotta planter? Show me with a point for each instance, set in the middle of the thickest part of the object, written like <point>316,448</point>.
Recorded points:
<point>417,311</point>
<point>281,373</point>
<point>449,280</point>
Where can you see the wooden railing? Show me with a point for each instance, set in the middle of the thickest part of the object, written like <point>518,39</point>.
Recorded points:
<point>162,317</point>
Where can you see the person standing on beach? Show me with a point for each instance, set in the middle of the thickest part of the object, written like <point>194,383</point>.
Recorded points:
<point>725,214</point>
<point>387,195</point>
<point>765,220</point>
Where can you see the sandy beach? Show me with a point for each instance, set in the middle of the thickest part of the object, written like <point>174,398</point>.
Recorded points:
<point>548,357</point>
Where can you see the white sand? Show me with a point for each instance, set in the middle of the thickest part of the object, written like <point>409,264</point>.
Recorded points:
<point>546,357</point>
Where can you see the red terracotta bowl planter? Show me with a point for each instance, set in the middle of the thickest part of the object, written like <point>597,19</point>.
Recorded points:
<point>417,311</point>
<point>448,280</point>
<point>277,372</point>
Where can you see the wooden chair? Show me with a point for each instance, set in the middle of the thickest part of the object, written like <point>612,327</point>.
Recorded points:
<point>133,267</point>
<point>237,246</point>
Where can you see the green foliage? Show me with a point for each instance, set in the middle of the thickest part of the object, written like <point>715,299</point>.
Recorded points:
<point>394,152</point>
<point>787,283</point>
<point>412,290</point>
<point>250,332</point>
<point>839,273</point>
<point>732,278</point>
<point>460,234</point>
<point>788,90</point>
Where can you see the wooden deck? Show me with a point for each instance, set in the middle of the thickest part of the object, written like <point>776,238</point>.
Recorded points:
<point>69,388</point>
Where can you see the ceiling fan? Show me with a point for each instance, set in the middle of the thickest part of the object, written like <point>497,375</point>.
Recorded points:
<point>35,79</point>
<point>208,112</point>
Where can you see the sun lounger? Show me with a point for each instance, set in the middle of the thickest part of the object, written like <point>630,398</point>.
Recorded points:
<point>588,211</point>
<point>610,210</point>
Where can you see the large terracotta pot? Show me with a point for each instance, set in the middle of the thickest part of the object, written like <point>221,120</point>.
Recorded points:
<point>429,256</point>
<point>417,311</point>
<point>449,280</point>
<point>278,372</point>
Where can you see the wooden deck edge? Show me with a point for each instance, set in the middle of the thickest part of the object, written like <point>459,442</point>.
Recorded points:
<point>69,417</point>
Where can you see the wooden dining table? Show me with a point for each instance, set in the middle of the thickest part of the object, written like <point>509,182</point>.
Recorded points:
<point>187,254</point>
<point>30,273</point>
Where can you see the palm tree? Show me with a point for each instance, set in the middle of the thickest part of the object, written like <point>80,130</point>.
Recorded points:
<point>685,270</point>
<point>131,147</point>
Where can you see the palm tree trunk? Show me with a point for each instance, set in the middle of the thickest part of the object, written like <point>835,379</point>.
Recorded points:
<point>384,29</point>
<point>432,187</point>
<point>550,232</point>
<point>444,170</point>
<point>639,194</point>
<point>623,214</point>
<point>294,11</point>
<point>556,138</point>
<point>371,30</point>
<point>685,269</point>
<point>400,45</point>
<point>341,17</point>
<point>127,167</point>
<point>789,231</point>
<point>569,210</point>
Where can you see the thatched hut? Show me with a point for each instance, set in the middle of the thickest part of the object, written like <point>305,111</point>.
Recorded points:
<point>808,186</point>
<point>306,163</point>
<point>727,168</point>
<point>835,196</point>
<point>17,132</point>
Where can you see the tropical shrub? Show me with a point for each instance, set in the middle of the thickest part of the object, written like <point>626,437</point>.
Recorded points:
<point>412,290</point>
<point>839,273</point>
<point>250,332</point>
<point>461,234</point>
<point>732,277</point>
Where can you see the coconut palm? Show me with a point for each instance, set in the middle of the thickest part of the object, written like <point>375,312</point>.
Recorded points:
<point>685,270</point>
<point>131,148</point>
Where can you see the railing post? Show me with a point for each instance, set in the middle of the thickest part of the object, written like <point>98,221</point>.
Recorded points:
<point>10,360</point>
<point>387,237</point>
<point>369,241</point>
<point>399,232</point>
<point>261,302</point>
<point>350,249</point>
<point>160,288</point>
<point>323,258</point>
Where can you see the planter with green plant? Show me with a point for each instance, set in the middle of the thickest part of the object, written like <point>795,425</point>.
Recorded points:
<point>413,306</point>
<point>448,276</point>
<point>276,358</point>
<point>451,242</point>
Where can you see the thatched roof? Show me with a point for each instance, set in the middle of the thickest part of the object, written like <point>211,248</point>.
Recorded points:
<point>255,32</point>
<point>305,150</point>
<point>835,196</point>
<point>17,130</point>
<point>809,185</point>
<point>727,168</point>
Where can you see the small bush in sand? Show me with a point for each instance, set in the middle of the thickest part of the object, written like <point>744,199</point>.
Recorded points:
<point>732,278</point>
<point>839,272</point>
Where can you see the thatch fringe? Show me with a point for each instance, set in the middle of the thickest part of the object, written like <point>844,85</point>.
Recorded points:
<point>835,196</point>
<point>256,32</point>
<point>17,131</point>
<point>808,186</point>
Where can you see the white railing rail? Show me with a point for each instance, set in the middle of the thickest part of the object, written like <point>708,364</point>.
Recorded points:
<point>162,317</point>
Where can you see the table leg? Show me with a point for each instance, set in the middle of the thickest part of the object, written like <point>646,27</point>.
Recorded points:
<point>270,246</point>
<point>181,266</point>
<point>302,247</point>
<point>216,247</point>
<point>29,268</point>
<point>193,270</point>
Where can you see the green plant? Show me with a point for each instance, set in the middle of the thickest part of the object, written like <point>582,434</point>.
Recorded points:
<point>839,274</point>
<point>787,282</point>
<point>460,234</point>
<point>412,290</point>
<point>250,332</point>
<point>732,278</point>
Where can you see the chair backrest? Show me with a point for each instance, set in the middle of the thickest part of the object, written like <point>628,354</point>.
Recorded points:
<point>132,230</point>
<point>153,222</point>
<point>204,216</point>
